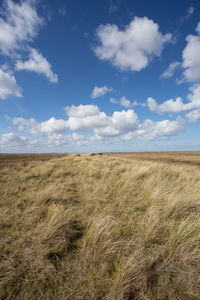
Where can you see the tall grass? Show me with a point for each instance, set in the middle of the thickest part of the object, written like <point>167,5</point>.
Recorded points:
<point>98,227</point>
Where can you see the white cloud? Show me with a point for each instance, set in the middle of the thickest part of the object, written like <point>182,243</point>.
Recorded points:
<point>122,124</point>
<point>150,130</point>
<point>102,128</point>
<point>125,120</point>
<point>19,24</point>
<point>118,124</point>
<point>60,140</point>
<point>8,86</point>
<point>133,47</point>
<point>84,117</point>
<point>191,57</point>
<point>113,100</point>
<point>125,102</point>
<point>169,106</point>
<point>100,91</point>
<point>170,70</point>
<point>194,96</point>
<point>177,105</point>
<point>12,139</point>
<point>193,116</point>
<point>37,63</point>
<point>81,111</point>
<point>44,128</point>
<point>136,103</point>
<point>10,142</point>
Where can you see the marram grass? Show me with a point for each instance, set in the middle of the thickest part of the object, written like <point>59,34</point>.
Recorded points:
<point>99,228</point>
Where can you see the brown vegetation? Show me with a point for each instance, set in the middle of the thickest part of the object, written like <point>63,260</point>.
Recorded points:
<point>179,157</point>
<point>98,227</point>
<point>8,159</point>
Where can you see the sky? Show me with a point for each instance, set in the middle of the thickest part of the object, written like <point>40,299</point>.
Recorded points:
<point>99,75</point>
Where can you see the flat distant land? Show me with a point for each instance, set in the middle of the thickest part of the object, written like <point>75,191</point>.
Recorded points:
<point>173,157</point>
<point>178,157</point>
<point>7,159</point>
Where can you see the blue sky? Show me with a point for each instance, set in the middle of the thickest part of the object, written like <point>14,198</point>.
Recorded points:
<point>99,75</point>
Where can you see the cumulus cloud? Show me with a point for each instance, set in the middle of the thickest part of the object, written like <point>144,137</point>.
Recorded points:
<point>177,105</point>
<point>150,130</point>
<point>10,142</point>
<point>193,116</point>
<point>84,117</point>
<point>125,102</point>
<point>121,124</point>
<point>118,124</point>
<point>8,86</point>
<point>19,23</point>
<point>82,111</point>
<point>61,140</point>
<point>102,128</point>
<point>37,63</point>
<point>191,57</point>
<point>133,47</point>
<point>100,91</point>
<point>40,128</point>
<point>13,138</point>
<point>169,106</point>
<point>170,70</point>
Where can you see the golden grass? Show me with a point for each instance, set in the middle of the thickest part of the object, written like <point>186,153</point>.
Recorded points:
<point>99,227</point>
<point>174,157</point>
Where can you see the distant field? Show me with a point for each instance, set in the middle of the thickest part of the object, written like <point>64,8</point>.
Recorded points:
<point>97,227</point>
<point>180,157</point>
<point>7,159</point>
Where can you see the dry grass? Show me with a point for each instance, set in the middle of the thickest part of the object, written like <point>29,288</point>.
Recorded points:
<point>179,157</point>
<point>99,227</point>
<point>12,159</point>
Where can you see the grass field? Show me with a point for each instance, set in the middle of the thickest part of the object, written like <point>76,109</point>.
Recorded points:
<point>179,157</point>
<point>99,227</point>
<point>12,159</point>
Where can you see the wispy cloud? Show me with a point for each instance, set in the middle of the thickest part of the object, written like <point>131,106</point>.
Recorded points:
<point>123,101</point>
<point>100,91</point>
<point>8,86</point>
<point>171,69</point>
<point>19,24</point>
<point>37,63</point>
